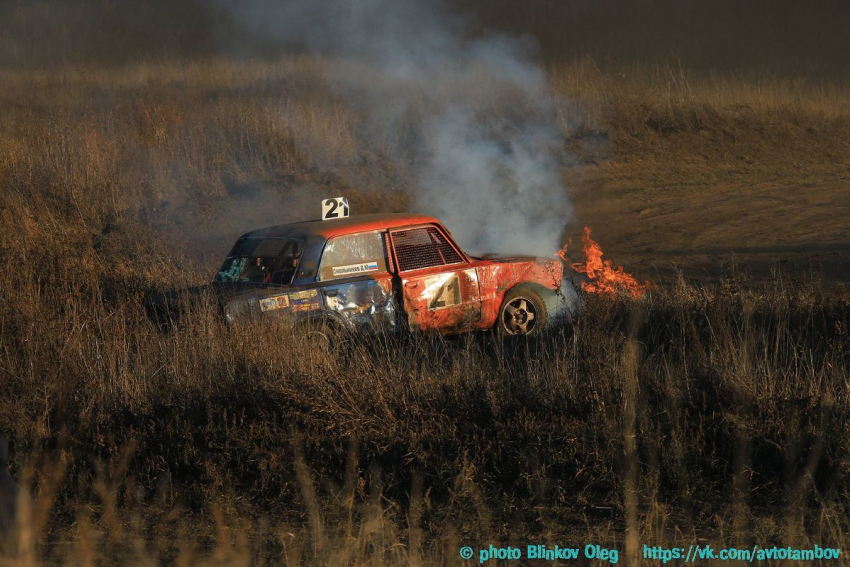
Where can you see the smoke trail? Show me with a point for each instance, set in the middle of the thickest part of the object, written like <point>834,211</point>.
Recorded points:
<point>472,114</point>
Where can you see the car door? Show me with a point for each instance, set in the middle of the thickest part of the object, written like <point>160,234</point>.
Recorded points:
<point>439,286</point>
<point>355,282</point>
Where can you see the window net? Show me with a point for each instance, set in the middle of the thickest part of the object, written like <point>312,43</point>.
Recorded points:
<point>425,247</point>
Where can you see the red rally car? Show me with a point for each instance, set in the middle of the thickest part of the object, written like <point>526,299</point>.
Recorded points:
<point>384,272</point>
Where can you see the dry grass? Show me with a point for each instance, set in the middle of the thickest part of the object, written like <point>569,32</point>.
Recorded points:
<point>718,412</point>
<point>715,414</point>
<point>668,125</point>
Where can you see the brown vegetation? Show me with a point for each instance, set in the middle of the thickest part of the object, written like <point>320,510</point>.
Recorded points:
<point>717,411</point>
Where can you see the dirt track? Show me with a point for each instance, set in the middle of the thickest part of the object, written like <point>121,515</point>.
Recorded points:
<point>700,228</point>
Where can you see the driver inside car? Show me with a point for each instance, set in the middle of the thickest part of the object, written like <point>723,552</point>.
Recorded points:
<point>256,270</point>
<point>286,270</point>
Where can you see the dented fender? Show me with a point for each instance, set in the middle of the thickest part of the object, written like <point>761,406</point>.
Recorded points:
<point>497,275</point>
<point>365,303</point>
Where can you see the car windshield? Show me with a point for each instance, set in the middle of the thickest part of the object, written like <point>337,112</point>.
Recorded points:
<point>262,260</point>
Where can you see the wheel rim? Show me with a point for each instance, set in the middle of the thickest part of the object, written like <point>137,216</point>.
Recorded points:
<point>519,316</point>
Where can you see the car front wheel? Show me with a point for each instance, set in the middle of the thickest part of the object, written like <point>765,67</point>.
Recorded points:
<point>322,336</point>
<point>523,312</point>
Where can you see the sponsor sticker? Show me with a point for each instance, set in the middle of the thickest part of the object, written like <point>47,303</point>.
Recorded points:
<point>353,269</point>
<point>307,300</point>
<point>306,294</point>
<point>273,303</point>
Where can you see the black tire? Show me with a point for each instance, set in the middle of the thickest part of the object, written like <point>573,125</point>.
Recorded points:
<point>523,312</point>
<point>323,335</point>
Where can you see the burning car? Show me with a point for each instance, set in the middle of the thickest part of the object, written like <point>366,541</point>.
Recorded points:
<point>383,272</point>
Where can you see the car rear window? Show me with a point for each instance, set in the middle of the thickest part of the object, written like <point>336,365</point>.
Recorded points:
<point>353,255</point>
<point>425,247</point>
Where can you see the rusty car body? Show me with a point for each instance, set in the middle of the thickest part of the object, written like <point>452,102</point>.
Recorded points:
<point>384,272</point>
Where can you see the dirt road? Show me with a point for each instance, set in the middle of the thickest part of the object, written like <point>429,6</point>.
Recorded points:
<point>700,227</point>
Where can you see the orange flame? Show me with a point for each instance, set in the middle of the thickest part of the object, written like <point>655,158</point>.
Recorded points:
<point>605,278</point>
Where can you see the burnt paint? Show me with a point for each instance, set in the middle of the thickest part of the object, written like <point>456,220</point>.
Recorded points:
<point>483,283</point>
<point>443,299</point>
<point>498,275</point>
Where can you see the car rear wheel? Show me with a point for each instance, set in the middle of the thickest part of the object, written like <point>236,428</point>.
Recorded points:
<point>523,312</point>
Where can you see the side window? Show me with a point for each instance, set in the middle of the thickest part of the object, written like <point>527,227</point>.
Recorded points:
<point>262,260</point>
<point>352,255</point>
<point>424,247</point>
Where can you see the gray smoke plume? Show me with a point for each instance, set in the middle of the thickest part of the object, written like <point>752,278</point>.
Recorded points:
<point>471,114</point>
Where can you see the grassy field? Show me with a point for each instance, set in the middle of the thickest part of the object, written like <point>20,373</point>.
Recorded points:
<point>709,411</point>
